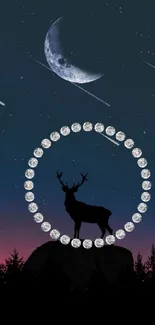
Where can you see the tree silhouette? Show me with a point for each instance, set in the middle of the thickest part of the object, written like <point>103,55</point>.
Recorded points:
<point>2,274</point>
<point>140,268</point>
<point>52,275</point>
<point>13,268</point>
<point>150,265</point>
<point>14,263</point>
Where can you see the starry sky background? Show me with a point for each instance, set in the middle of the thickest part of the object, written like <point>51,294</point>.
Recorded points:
<point>39,102</point>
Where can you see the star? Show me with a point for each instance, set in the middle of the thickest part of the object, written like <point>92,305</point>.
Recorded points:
<point>120,10</point>
<point>21,77</point>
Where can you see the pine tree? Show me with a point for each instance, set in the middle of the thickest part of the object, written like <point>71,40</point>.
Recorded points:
<point>2,274</point>
<point>14,263</point>
<point>150,264</point>
<point>13,267</point>
<point>140,268</point>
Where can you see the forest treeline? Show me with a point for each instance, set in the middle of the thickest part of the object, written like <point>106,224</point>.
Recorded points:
<point>140,282</point>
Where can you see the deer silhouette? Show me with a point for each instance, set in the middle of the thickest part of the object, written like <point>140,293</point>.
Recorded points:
<point>82,212</point>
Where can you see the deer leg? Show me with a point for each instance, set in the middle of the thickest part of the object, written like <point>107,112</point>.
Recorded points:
<point>102,229</point>
<point>110,230</point>
<point>77,227</point>
<point>78,230</point>
<point>74,231</point>
<point>103,232</point>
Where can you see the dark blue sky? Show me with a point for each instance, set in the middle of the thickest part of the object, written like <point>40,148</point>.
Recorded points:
<point>39,102</point>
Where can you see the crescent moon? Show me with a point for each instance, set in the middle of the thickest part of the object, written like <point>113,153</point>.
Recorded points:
<point>58,63</point>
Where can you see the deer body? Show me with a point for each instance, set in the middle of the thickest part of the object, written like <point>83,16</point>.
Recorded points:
<point>88,213</point>
<point>82,212</point>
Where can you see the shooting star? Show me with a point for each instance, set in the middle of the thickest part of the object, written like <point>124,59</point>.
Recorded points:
<point>1,103</point>
<point>88,92</point>
<point>74,84</point>
<point>151,65</point>
<point>113,141</point>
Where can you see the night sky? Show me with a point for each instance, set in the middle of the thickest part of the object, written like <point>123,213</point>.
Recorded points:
<point>38,102</point>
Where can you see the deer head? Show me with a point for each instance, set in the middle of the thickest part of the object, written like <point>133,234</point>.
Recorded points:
<point>74,188</point>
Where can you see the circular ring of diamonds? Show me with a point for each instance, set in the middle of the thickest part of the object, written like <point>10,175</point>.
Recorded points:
<point>109,132</point>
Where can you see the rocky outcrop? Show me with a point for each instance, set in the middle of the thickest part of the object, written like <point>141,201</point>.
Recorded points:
<point>79,264</point>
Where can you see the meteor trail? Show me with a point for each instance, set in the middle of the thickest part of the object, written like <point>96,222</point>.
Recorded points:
<point>45,66</point>
<point>115,142</point>
<point>88,92</point>
<point>74,84</point>
<point>151,65</point>
<point>1,103</point>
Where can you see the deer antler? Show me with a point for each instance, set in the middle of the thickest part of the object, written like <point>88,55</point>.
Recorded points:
<point>84,178</point>
<point>59,176</point>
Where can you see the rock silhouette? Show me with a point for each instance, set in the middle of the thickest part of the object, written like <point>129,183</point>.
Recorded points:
<point>78,265</point>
